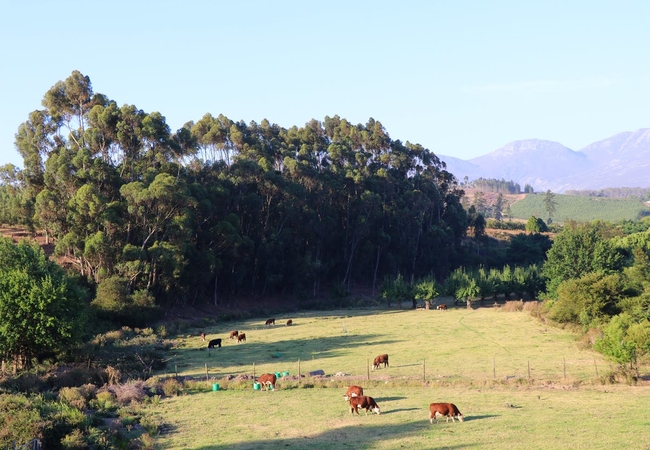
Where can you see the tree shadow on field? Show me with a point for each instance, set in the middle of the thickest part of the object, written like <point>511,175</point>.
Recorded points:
<point>352,437</point>
<point>257,351</point>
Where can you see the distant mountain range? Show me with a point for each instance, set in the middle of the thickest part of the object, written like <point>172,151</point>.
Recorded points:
<point>622,160</point>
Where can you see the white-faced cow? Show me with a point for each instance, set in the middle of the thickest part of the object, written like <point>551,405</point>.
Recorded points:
<point>266,380</point>
<point>241,337</point>
<point>442,307</point>
<point>233,334</point>
<point>214,343</point>
<point>353,391</point>
<point>444,410</point>
<point>269,322</point>
<point>365,402</point>
<point>381,359</point>
<point>289,322</point>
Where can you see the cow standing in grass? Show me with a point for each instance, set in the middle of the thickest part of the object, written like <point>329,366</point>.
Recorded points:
<point>365,402</point>
<point>353,391</point>
<point>266,380</point>
<point>445,410</point>
<point>214,343</point>
<point>381,359</point>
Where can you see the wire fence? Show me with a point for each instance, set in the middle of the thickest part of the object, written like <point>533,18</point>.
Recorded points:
<point>491,368</point>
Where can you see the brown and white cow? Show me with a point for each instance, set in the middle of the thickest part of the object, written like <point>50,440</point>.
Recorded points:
<point>365,402</point>
<point>241,337</point>
<point>233,334</point>
<point>289,322</point>
<point>445,410</point>
<point>353,391</point>
<point>203,336</point>
<point>269,322</point>
<point>442,307</point>
<point>266,380</point>
<point>214,343</point>
<point>381,359</point>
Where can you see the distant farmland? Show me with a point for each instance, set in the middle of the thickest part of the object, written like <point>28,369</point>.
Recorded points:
<point>581,209</point>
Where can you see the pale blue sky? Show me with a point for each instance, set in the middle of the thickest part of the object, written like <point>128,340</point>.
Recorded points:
<point>460,77</point>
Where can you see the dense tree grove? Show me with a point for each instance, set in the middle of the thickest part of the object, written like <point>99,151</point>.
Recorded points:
<point>220,208</point>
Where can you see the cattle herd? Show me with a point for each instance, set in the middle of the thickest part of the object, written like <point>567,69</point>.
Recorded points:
<point>354,394</point>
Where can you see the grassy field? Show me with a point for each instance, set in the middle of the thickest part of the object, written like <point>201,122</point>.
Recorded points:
<point>581,209</point>
<point>478,359</point>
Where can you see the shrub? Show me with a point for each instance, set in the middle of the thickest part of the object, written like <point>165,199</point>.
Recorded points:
<point>128,393</point>
<point>73,397</point>
<point>171,387</point>
<point>74,440</point>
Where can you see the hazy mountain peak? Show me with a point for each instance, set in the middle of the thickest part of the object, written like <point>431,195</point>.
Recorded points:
<point>622,160</point>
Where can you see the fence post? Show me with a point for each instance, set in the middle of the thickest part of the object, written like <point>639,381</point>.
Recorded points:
<point>368,367</point>
<point>176,370</point>
<point>424,370</point>
<point>529,369</point>
<point>596,367</point>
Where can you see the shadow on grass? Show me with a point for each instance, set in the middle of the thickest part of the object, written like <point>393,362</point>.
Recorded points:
<point>388,399</point>
<point>485,416</point>
<point>260,352</point>
<point>393,411</point>
<point>354,436</point>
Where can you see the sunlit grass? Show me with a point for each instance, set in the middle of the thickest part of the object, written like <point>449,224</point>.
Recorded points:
<point>477,359</point>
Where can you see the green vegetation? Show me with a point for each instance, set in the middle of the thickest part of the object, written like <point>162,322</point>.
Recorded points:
<point>579,209</point>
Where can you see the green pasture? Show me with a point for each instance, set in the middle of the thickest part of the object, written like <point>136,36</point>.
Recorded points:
<point>478,359</point>
<point>581,209</point>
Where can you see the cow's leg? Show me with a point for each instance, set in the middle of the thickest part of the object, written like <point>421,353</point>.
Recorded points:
<point>431,418</point>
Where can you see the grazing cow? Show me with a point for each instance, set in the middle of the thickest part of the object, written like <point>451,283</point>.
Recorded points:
<point>267,379</point>
<point>214,343</point>
<point>444,409</point>
<point>203,336</point>
<point>353,391</point>
<point>269,322</point>
<point>368,403</point>
<point>442,307</point>
<point>381,359</point>
<point>241,337</point>
<point>233,334</point>
<point>289,322</point>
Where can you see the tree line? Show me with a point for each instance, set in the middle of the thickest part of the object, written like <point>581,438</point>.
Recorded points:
<point>222,208</point>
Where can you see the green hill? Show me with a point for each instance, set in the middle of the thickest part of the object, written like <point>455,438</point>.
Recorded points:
<point>580,208</point>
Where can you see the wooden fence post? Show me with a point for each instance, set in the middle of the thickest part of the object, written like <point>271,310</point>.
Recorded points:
<point>424,370</point>
<point>596,367</point>
<point>529,369</point>
<point>368,367</point>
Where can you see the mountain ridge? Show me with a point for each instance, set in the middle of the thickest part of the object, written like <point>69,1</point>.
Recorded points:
<point>622,160</point>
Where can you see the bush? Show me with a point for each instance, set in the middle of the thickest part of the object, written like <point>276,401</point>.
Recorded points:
<point>171,387</point>
<point>73,397</point>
